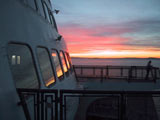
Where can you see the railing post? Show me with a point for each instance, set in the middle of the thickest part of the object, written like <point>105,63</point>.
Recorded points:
<point>122,107</point>
<point>38,105</point>
<point>65,109</point>
<point>42,106</point>
<point>24,105</point>
<point>61,105</point>
<point>75,73</point>
<point>56,105</point>
<point>101,75</point>
<point>129,73</point>
<point>155,74</point>
<point>142,72</point>
<point>121,71</point>
<point>81,70</point>
<point>135,72</point>
<point>107,72</point>
<point>93,71</point>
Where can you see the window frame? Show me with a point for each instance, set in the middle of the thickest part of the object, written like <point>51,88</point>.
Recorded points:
<point>50,15</point>
<point>33,60</point>
<point>40,8</point>
<point>53,21</point>
<point>43,13</point>
<point>67,72</point>
<point>70,62</point>
<point>44,4</point>
<point>62,77</point>
<point>66,57</point>
<point>35,1</point>
<point>69,58</point>
<point>53,71</point>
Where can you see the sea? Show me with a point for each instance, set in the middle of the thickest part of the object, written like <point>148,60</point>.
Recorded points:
<point>116,62</point>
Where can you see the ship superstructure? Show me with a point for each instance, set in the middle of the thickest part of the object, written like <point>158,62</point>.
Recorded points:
<point>33,55</point>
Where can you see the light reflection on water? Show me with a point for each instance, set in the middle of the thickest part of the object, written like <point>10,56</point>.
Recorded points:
<point>119,62</point>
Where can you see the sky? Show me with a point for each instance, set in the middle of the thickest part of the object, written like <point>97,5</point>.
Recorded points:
<point>110,28</point>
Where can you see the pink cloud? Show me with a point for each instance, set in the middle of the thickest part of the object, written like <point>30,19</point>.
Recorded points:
<point>85,39</point>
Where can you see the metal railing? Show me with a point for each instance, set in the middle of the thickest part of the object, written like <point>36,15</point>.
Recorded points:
<point>116,105</point>
<point>119,105</point>
<point>129,73</point>
<point>39,104</point>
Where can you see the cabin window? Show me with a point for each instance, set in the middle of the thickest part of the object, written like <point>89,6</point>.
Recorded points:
<point>40,7</point>
<point>15,59</point>
<point>53,20</point>
<point>70,62</point>
<point>56,61</point>
<point>45,66</point>
<point>67,61</point>
<point>63,62</point>
<point>69,58</point>
<point>46,11</point>
<point>22,66</point>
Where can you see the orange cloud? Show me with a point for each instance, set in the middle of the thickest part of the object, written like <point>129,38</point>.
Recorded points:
<point>88,42</point>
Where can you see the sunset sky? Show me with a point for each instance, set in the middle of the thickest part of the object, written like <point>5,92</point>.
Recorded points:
<point>110,28</point>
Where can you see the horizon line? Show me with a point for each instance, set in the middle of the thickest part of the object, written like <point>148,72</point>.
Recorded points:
<point>117,58</point>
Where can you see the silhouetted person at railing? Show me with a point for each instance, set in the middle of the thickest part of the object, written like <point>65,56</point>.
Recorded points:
<point>148,70</point>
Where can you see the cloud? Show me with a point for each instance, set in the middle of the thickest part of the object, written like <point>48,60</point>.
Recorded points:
<point>142,26</point>
<point>108,25</point>
<point>138,35</point>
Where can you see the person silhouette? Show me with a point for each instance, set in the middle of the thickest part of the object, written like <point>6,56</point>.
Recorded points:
<point>148,69</point>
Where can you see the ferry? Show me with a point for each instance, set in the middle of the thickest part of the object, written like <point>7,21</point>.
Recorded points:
<point>39,82</point>
<point>33,55</point>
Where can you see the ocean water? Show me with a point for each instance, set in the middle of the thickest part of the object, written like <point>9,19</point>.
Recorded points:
<point>116,62</point>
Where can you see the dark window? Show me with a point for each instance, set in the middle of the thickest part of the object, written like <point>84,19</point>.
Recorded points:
<point>46,11</point>
<point>22,66</point>
<point>53,20</point>
<point>45,66</point>
<point>40,7</point>
<point>63,62</point>
<point>57,63</point>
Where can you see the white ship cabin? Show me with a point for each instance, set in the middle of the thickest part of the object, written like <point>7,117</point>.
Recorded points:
<point>39,82</point>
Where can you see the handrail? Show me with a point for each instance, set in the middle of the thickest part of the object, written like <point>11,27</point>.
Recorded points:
<point>125,101</point>
<point>129,73</point>
<point>122,100</point>
<point>66,91</point>
<point>41,100</point>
